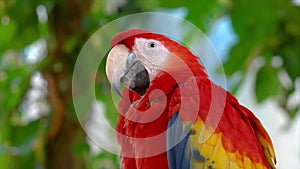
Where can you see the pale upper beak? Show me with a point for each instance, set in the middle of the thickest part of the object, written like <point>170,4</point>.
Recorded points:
<point>123,66</point>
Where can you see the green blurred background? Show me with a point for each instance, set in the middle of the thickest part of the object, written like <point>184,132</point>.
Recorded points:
<point>41,39</point>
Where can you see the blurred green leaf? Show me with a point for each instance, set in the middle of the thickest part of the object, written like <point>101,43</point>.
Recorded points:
<point>256,20</point>
<point>267,83</point>
<point>14,87</point>
<point>106,160</point>
<point>292,21</point>
<point>238,56</point>
<point>80,148</point>
<point>291,58</point>
<point>25,161</point>
<point>293,112</point>
<point>7,34</point>
<point>23,136</point>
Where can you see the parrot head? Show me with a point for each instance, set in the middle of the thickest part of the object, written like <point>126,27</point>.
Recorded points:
<point>139,56</point>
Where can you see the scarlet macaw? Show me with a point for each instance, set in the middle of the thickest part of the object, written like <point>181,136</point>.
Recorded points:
<point>173,116</point>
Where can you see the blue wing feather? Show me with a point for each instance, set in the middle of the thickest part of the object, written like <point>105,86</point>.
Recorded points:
<point>179,154</point>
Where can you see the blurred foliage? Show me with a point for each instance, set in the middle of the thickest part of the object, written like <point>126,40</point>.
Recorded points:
<point>270,31</point>
<point>266,29</point>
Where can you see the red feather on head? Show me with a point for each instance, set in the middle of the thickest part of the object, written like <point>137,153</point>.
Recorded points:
<point>120,37</point>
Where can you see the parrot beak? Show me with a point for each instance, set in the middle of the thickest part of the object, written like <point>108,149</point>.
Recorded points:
<point>122,66</point>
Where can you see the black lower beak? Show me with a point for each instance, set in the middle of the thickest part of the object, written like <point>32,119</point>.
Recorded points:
<point>133,75</point>
<point>136,77</point>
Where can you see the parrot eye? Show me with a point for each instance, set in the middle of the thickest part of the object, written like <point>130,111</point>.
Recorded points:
<point>151,44</point>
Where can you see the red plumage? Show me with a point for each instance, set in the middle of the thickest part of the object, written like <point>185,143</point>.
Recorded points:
<point>242,135</point>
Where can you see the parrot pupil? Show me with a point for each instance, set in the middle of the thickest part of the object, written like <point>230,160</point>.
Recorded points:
<point>151,45</point>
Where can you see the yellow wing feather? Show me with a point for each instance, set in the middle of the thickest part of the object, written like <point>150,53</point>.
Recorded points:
<point>216,157</point>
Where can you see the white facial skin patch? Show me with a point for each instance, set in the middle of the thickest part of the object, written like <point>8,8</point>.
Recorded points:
<point>152,54</point>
